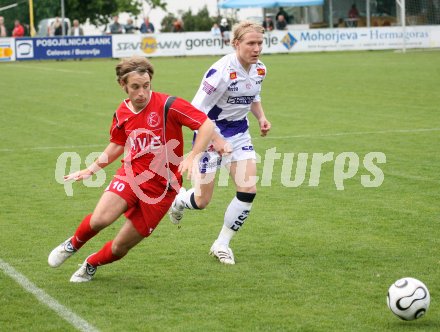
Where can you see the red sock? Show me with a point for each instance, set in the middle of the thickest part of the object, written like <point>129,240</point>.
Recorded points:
<point>103,256</point>
<point>83,233</point>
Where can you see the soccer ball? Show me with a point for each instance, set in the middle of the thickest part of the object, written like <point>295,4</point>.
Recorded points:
<point>408,298</point>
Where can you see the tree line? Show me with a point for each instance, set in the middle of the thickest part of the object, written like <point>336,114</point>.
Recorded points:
<point>100,12</point>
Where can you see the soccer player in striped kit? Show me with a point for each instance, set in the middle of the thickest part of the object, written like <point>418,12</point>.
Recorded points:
<point>229,90</point>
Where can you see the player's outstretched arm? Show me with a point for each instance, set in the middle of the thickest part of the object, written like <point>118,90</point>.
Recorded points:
<point>257,111</point>
<point>110,154</point>
<point>204,136</point>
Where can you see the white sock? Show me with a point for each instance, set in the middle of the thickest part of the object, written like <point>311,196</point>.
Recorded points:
<point>225,236</point>
<point>186,200</point>
<point>235,216</point>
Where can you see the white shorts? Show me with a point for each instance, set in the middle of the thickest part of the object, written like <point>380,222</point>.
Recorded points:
<point>242,149</point>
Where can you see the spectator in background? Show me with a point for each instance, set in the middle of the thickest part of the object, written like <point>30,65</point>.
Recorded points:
<point>268,24</point>
<point>3,32</point>
<point>215,30</point>
<point>76,29</point>
<point>147,26</point>
<point>115,27</point>
<point>353,12</point>
<point>178,26</point>
<point>281,23</point>
<point>57,28</point>
<point>18,29</point>
<point>130,27</point>
<point>225,30</point>
<point>281,11</point>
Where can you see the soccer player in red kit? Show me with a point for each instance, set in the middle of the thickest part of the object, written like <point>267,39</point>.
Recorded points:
<point>147,129</point>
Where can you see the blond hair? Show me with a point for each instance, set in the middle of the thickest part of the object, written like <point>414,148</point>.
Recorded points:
<point>134,64</point>
<point>243,27</point>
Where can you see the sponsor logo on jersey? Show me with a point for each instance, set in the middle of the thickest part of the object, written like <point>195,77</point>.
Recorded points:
<point>153,119</point>
<point>208,88</point>
<point>233,75</point>
<point>243,100</point>
<point>233,86</point>
<point>261,71</point>
<point>144,140</point>
<point>211,72</point>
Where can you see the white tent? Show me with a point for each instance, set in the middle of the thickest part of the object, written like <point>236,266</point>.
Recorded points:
<point>269,3</point>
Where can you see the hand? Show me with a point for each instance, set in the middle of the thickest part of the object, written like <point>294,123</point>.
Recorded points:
<point>264,127</point>
<point>78,176</point>
<point>187,165</point>
<point>222,147</point>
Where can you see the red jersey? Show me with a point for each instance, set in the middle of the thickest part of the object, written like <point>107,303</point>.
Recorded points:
<point>151,148</point>
<point>18,31</point>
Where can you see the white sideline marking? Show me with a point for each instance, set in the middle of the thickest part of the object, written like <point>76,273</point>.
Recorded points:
<point>46,299</point>
<point>353,133</point>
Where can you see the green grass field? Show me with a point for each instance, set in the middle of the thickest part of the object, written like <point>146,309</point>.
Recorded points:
<point>310,258</point>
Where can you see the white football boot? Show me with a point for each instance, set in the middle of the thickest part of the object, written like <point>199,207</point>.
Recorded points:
<point>59,255</point>
<point>85,273</point>
<point>223,253</point>
<point>177,208</point>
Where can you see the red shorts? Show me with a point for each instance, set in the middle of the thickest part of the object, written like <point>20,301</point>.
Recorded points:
<point>144,213</point>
